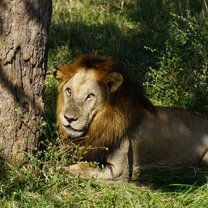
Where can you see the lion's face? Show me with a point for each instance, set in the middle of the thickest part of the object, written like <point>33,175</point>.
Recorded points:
<point>82,97</point>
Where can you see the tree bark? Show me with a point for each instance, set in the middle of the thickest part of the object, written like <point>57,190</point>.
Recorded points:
<point>23,61</point>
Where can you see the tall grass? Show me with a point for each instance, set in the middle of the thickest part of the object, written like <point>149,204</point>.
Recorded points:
<point>156,41</point>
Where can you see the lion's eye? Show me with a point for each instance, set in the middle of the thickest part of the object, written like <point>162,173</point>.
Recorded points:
<point>68,91</point>
<point>89,97</point>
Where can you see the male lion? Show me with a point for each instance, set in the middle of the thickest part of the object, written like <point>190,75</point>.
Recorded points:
<point>99,105</point>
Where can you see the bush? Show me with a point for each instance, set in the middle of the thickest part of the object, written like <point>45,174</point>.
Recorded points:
<point>180,76</point>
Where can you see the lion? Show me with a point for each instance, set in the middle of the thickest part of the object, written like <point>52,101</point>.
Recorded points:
<point>100,105</point>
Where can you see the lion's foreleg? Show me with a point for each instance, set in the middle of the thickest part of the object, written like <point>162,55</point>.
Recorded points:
<point>117,168</point>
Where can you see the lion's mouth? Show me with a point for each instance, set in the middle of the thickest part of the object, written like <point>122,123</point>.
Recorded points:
<point>73,129</point>
<point>75,133</point>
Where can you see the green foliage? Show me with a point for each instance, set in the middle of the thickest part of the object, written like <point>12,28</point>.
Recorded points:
<point>180,76</point>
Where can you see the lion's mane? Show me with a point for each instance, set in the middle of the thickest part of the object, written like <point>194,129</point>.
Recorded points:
<point>119,113</point>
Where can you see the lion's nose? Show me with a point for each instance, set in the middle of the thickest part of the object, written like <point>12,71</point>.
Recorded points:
<point>70,118</point>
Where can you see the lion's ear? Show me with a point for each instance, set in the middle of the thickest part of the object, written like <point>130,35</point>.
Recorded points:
<point>58,74</point>
<point>114,80</point>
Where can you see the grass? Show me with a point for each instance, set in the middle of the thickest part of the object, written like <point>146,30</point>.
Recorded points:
<point>46,183</point>
<point>123,29</point>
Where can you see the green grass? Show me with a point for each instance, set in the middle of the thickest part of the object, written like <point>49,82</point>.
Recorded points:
<point>45,182</point>
<point>145,39</point>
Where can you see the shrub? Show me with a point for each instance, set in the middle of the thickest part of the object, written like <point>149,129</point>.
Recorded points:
<point>180,76</point>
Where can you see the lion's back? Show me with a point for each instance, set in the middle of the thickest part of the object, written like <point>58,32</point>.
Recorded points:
<point>172,138</point>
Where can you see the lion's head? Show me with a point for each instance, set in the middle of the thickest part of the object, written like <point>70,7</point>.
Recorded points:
<point>97,101</point>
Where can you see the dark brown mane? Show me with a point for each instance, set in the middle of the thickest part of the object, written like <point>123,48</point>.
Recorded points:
<point>121,112</point>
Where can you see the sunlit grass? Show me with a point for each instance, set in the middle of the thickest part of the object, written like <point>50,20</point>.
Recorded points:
<point>45,182</point>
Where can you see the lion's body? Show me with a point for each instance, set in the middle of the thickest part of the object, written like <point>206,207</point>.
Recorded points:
<point>172,138</point>
<point>100,106</point>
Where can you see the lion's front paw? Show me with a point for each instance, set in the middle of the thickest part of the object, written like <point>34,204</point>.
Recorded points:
<point>82,169</point>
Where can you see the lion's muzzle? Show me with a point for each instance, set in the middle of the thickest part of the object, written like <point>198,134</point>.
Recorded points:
<point>73,125</point>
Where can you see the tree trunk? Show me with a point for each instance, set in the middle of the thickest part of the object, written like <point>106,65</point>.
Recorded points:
<point>23,58</point>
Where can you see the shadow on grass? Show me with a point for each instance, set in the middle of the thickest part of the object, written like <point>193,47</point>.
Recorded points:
<point>3,169</point>
<point>171,180</point>
<point>151,25</point>
<point>107,38</point>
